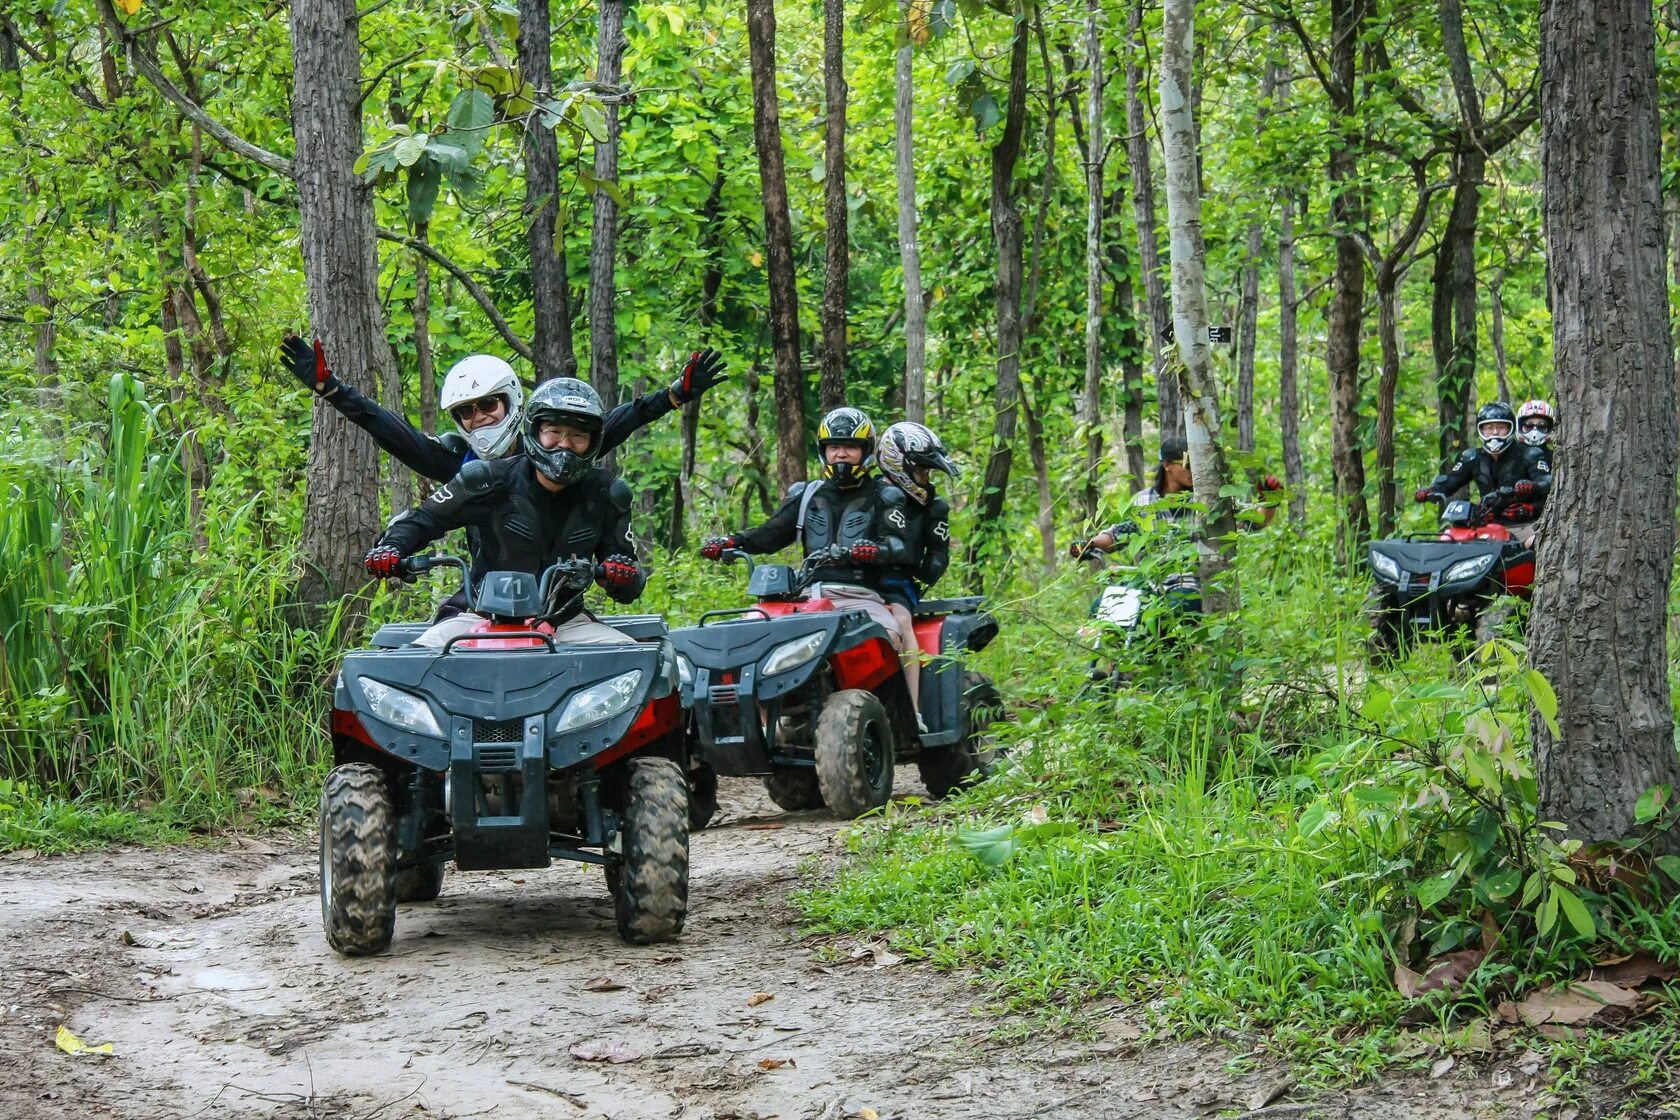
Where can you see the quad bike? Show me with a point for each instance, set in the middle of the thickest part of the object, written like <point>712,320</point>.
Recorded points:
<point>505,749</point>
<point>1132,617</point>
<point>1446,582</point>
<point>813,698</point>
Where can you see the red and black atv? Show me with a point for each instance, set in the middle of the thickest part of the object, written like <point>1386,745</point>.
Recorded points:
<point>505,749</point>
<point>1446,582</point>
<point>813,698</point>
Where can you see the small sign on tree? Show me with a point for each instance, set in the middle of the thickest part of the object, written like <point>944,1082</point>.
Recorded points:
<point>1221,336</point>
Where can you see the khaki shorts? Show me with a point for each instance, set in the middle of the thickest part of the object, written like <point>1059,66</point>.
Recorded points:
<point>848,598</point>
<point>1524,532</point>
<point>582,630</point>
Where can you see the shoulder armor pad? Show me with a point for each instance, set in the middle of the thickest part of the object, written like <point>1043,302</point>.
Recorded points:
<point>455,442</point>
<point>796,489</point>
<point>1469,455</point>
<point>895,495</point>
<point>618,492</point>
<point>477,477</point>
<point>939,507</point>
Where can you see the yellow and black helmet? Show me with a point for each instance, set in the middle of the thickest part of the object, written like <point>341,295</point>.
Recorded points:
<point>846,425</point>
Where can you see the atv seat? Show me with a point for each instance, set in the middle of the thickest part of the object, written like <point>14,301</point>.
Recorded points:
<point>398,634</point>
<point>640,627</point>
<point>929,607</point>
<point>1434,556</point>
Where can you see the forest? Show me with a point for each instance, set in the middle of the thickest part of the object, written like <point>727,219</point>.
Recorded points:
<point>1293,249</point>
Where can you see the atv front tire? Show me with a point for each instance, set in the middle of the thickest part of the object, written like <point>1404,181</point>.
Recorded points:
<point>854,753</point>
<point>794,788</point>
<point>420,884</point>
<point>650,890</point>
<point>945,770</point>
<point>358,854</point>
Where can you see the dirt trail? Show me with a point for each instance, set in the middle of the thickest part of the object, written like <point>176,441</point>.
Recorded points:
<point>476,1008</point>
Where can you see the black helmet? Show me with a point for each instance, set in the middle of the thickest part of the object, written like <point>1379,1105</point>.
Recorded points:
<point>1496,413</point>
<point>568,401</point>
<point>846,425</point>
<point>908,445</point>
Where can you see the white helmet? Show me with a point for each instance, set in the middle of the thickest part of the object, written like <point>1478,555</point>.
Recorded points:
<point>473,378</point>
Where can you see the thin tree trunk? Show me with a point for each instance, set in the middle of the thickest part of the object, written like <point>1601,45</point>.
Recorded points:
<point>1452,315</point>
<point>1388,329</point>
<point>1496,333</point>
<point>1347,301</point>
<point>831,386</point>
<point>711,282</point>
<point>1046,519</point>
<point>341,271</point>
<point>1289,403</point>
<point>422,313</point>
<point>1006,238</point>
<point>1248,321</point>
<point>603,237</point>
<point>1139,154</point>
<point>551,338</point>
<point>1189,293</point>
<point>1094,202</point>
<point>1133,350</point>
<point>778,235</point>
<point>189,251</point>
<point>1606,552</point>
<point>909,250</point>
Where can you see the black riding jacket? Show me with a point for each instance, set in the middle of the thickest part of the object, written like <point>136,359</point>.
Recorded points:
<point>1494,478</point>
<point>440,458</point>
<point>873,511</point>
<point>927,535</point>
<point>523,526</point>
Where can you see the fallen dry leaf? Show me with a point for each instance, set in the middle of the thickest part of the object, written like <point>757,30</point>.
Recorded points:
<point>777,1063</point>
<point>864,1113</point>
<point>1448,972</point>
<point>759,997</point>
<point>605,1050</point>
<point>1577,1002</point>
<point>1508,1011</point>
<point>1442,1067</point>
<point>764,826</point>
<point>1633,970</point>
<point>1269,1091</point>
<point>68,1042</point>
<point>602,984</point>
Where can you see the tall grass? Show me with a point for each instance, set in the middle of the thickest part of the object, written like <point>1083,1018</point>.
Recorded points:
<point>136,669</point>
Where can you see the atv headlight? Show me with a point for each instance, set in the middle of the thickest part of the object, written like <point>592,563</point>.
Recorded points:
<point>685,670</point>
<point>791,655</point>
<point>599,702</point>
<point>400,709</point>
<point>1474,568</point>
<point>1385,566</point>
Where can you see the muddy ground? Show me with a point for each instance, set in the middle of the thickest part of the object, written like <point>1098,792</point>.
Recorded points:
<point>207,973</point>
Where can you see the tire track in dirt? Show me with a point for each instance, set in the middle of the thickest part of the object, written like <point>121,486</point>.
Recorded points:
<point>484,994</point>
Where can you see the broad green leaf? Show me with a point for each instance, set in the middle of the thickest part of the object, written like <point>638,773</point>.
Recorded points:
<point>1312,819</point>
<point>1540,694</point>
<point>1576,911</point>
<point>1669,865</point>
<point>423,180</point>
<point>594,120</point>
<point>1433,889</point>
<point>985,112</point>
<point>470,116</point>
<point>409,149</point>
<point>1502,883</point>
<point>1650,804</point>
<point>992,846</point>
<point>1547,917</point>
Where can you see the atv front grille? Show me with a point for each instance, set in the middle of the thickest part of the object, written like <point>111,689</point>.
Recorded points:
<point>498,731</point>
<point>497,757</point>
<point>724,694</point>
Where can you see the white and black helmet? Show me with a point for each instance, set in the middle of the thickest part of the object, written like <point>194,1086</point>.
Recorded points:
<point>474,378</point>
<point>906,446</point>
<point>567,401</point>
<point>1488,420</point>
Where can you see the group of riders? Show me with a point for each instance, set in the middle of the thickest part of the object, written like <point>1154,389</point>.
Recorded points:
<point>521,476</point>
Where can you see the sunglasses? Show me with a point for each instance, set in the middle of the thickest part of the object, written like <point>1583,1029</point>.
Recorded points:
<point>487,405</point>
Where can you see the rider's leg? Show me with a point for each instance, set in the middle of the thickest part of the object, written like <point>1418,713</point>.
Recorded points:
<point>911,657</point>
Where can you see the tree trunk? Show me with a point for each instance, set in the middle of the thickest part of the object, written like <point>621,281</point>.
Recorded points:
<point>1607,549</point>
<point>603,237</point>
<point>831,386</point>
<point>1496,333</point>
<point>1139,154</point>
<point>1452,313</point>
<point>1133,350</point>
<point>551,339</point>
<point>1248,303</point>
<point>778,235</point>
<point>1094,201</point>
<point>1289,401</point>
<point>1006,238</point>
<point>909,250</point>
<point>1347,301</point>
<point>421,311</point>
<point>1045,522</point>
<point>1189,294</point>
<point>1388,329</point>
<point>341,272</point>
<point>711,282</point>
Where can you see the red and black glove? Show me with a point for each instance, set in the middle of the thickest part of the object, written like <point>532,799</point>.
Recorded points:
<point>1270,484</point>
<point>1078,548</point>
<point>618,572</point>
<point>383,562</point>
<point>866,552</point>
<point>712,547</point>
<point>1525,489</point>
<point>704,369</point>
<point>308,364</point>
<point>1423,495</point>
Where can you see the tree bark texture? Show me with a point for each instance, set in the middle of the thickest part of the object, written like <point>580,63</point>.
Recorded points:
<point>909,248</point>
<point>551,340</point>
<point>1007,231</point>
<point>1189,295</point>
<point>1496,333</point>
<point>1133,349</point>
<point>1289,359</point>
<point>1139,155</point>
<point>1347,301</point>
<point>778,235</point>
<point>711,283</point>
<point>1606,549</point>
<point>1452,315</point>
<point>603,237</point>
<point>1094,201</point>
<point>341,273</point>
<point>831,385</point>
<point>1248,302</point>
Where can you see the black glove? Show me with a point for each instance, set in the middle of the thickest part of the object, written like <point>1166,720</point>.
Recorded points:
<point>1499,499</point>
<point>712,547</point>
<point>618,573</point>
<point>308,364</point>
<point>383,562</point>
<point>704,369</point>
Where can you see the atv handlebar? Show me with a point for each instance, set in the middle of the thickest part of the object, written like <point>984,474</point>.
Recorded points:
<point>730,555</point>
